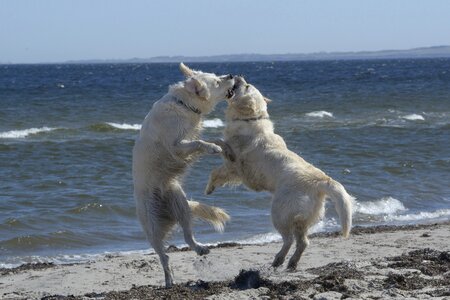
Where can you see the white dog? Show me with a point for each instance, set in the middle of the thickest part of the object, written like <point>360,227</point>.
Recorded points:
<point>263,162</point>
<point>167,144</point>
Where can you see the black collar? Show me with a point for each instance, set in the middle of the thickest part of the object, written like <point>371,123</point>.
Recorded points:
<point>252,119</point>
<point>191,108</point>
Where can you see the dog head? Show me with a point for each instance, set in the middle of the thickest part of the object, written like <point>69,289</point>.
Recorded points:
<point>246,101</point>
<point>207,88</point>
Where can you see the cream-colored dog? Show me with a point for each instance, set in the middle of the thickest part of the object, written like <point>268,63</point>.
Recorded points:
<point>263,162</point>
<point>167,144</point>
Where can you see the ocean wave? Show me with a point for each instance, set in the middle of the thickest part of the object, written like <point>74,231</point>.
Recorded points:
<point>110,127</point>
<point>414,117</point>
<point>10,265</point>
<point>38,241</point>
<point>213,123</point>
<point>419,216</point>
<point>325,225</point>
<point>319,114</point>
<point>384,206</point>
<point>62,259</point>
<point>326,120</point>
<point>98,208</point>
<point>14,224</point>
<point>125,126</point>
<point>87,207</point>
<point>18,134</point>
<point>261,239</point>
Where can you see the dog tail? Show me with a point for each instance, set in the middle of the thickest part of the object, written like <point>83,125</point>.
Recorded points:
<point>342,202</point>
<point>214,215</point>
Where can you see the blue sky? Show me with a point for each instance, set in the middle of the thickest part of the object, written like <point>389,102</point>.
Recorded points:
<point>60,30</point>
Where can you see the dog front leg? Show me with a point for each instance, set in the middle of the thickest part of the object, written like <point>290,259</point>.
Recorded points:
<point>219,177</point>
<point>227,152</point>
<point>186,148</point>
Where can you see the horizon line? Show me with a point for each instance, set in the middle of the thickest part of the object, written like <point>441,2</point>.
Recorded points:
<point>319,55</point>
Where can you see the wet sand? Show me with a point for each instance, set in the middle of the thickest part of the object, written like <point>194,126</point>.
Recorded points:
<point>378,262</point>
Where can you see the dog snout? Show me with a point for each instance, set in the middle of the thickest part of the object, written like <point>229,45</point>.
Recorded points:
<point>229,77</point>
<point>240,80</point>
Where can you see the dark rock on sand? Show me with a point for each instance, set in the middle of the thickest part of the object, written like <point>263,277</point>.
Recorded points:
<point>29,266</point>
<point>428,261</point>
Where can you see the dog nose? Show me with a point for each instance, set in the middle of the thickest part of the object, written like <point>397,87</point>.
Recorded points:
<point>240,79</point>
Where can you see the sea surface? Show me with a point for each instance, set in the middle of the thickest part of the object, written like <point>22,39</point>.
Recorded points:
<point>380,127</point>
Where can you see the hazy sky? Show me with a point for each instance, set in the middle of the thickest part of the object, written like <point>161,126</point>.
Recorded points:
<point>59,30</point>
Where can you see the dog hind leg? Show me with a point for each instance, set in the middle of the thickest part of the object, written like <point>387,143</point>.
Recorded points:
<point>156,222</point>
<point>182,213</point>
<point>164,258</point>
<point>301,236</point>
<point>283,226</point>
<point>281,255</point>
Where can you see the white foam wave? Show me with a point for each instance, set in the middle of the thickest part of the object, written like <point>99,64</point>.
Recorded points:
<point>325,225</point>
<point>414,117</point>
<point>125,126</point>
<point>213,123</point>
<point>330,224</point>
<point>262,238</point>
<point>17,134</point>
<point>384,206</point>
<point>9,266</point>
<point>69,258</point>
<point>442,213</point>
<point>320,114</point>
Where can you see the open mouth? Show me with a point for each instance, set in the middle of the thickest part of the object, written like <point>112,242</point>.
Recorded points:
<point>230,92</point>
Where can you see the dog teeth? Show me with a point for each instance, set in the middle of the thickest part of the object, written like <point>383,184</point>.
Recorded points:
<point>230,93</point>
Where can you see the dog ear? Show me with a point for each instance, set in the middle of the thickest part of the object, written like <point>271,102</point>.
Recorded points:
<point>186,70</point>
<point>197,87</point>
<point>267,100</point>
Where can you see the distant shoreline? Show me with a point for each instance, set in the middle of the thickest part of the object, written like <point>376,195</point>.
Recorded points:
<point>415,53</point>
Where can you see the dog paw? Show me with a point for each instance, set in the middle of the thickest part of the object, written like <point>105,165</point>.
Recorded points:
<point>277,262</point>
<point>169,281</point>
<point>202,250</point>
<point>209,189</point>
<point>213,149</point>
<point>169,284</point>
<point>291,267</point>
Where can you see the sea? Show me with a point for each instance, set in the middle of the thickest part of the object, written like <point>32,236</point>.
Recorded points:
<point>380,127</point>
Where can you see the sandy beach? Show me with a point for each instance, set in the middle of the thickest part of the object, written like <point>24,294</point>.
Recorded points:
<point>377,263</point>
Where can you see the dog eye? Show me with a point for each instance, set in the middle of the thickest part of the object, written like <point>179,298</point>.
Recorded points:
<point>217,83</point>
<point>247,86</point>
